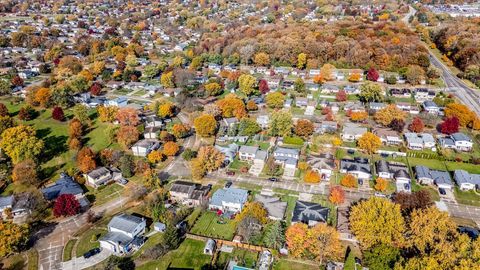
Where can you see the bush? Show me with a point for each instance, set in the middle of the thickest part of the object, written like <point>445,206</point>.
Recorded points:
<point>391,79</point>
<point>295,140</point>
<point>58,114</point>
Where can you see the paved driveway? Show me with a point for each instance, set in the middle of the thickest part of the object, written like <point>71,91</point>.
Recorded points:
<point>82,263</point>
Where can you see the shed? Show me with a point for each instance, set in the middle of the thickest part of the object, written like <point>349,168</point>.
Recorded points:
<point>209,247</point>
<point>159,227</point>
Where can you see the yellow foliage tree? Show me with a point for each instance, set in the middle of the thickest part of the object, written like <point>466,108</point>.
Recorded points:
<point>312,177</point>
<point>369,142</point>
<point>354,77</point>
<point>301,60</point>
<point>205,125</point>
<point>155,156</point>
<point>167,80</point>
<point>326,72</point>
<point>166,110</point>
<point>254,210</point>
<point>261,59</point>
<point>358,116</point>
<point>107,113</point>
<point>386,115</point>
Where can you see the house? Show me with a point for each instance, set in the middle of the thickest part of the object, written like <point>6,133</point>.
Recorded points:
<point>265,260</point>
<point>466,180</point>
<point>301,102</point>
<point>396,171</point>
<point>430,107</point>
<point>351,89</point>
<point>287,157</point>
<point>229,151</point>
<point>6,203</point>
<point>376,106</point>
<point>423,94</point>
<point>420,141</point>
<point>247,153</point>
<point>354,107</point>
<point>143,147</point>
<point>102,176</point>
<point>458,141</point>
<point>329,89</point>
<point>324,164</point>
<point>229,200</point>
<point>388,136</point>
<point>352,132</point>
<point>151,133</point>
<point>124,234</point>
<point>153,121</point>
<point>65,185</point>
<point>255,155</point>
<point>310,109</point>
<point>117,102</point>
<point>274,206</point>
<point>210,246</point>
<point>400,93</point>
<point>188,193</point>
<point>263,120</point>
<point>273,83</point>
<point>326,127</point>
<point>358,167</point>
<point>309,213</point>
<point>229,122</point>
<point>427,176</point>
<point>313,72</point>
<point>343,224</point>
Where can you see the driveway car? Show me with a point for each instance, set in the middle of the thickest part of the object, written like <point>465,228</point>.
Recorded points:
<point>91,253</point>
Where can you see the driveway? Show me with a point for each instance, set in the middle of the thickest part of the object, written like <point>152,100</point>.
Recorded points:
<point>82,263</point>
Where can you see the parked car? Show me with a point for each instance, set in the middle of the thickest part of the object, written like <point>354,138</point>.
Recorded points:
<point>228,184</point>
<point>381,195</point>
<point>230,173</point>
<point>273,179</point>
<point>442,191</point>
<point>351,151</point>
<point>91,253</point>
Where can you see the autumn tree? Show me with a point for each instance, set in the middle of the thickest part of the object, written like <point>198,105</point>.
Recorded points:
<point>381,184</point>
<point>372,75</point>
<point>371,92</point>
<point>170,148</point>
<point>6,122</point>
<point>17,81</point>
<point>312,176</point>
<point>263,86</point>
<point>107,113</point>
<point>213,110</point>
<point>166,110</point>
<point>341,96</point>
<point>127,136</point>
<point>43,96</point>
<point>167,80</point>
<point>25,172</point>
<point>3,110</point>
<point>358,116</point>
<point>246,84</point>
<point>86,160</point>
<point>128,117</point>
<point>205,125</point>
<point>354,77</point>
<point>254,210</point>
<point>450,125</point>
<point>57,114</point>
<point>232,106</point>
<point>382,257</point>
<point>326,72</point>
<point>213,88</point>
<point>463,113</point>
<point>337,195</point>
<point>371,230</point>
<point>96,89</point>
<point>261,59</point>
<point>14,237</point>
<point>20,143</point>
<point>274,236</point>
<point>410,201</point>
<point>208,159</point>
<point>349,181</point>
<point>369,142</point>
<point>301,60</point>
<point>275,100</point>
<point>248,127</point>
<point>180,130</point>
<point>397,124</point>
<point>156,156</point>
<point>281,123</point>
<point>416,125</point>
<point>66,205</point>
<point>251,105</point>
<point>304,128</point>
<point>414,74</point>
<point>386,115</point>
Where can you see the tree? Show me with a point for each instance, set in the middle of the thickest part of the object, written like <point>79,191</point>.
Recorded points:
<point>381,184</point>
<point>391,79</point>
<point>208,159</point>
<point>275,100</point>
<point>341,96</point>
<point>371,92</point>
<point>156,156</point>
<point>337,195</point>
<point>80,112</point>
<point>188,154</point>
<point>263,86</point>
<point>66,205</point>
<point>246,84</point>
<point>410,201</point>
<point>450,125</point>
<point>26,113</point>
<point>349,181</point>
<point>20,143</point>
<point>301,60</point>
<point>6,122</point>
<point>5,87</point>
<point>25,172</point>
<point>358,116</point>
<point>414,74</point>
<point>304,128</point>
<point>372,75</point>
<point>205,125</point>
<point>170,148</point>
<point>312,177</point>
<point>386,115</point>
<point>326,72</point>
<point>171,237</point>
<point>166,110</point>
<point>107,113</point>
<point>382,257</point>
<point>57,114</point>
<point>128,117</point>
<point>463,113</point>
<point>299,86</point>
<point>261,59</point>
<point>274,235</point>
<point>354,77</point>
<point>416,125</point>
<point>251,105</point>
<point>397,124</point>
<point>213,88</point>
<point>42,96</point>
<point>96,89</point>
<point>213,110</point>
<point>369,142</point>
<point>371,230</point>
<point>3,110</point>
<point>14,237</point>
<point>127,136</point>
<point>254,210</point>
<point>167,80</point>
<point>17,81</point>
<point>86,160</point>
<point>231,106</point>
<point>180,130</point>
<point>280,123</point>
<point>126,165</point>
<point>248,127</point>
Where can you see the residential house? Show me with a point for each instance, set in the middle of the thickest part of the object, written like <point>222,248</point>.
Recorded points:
<point>329,89</point>
<point>354,107</point>
<point>313,72</point>
<point>210,246</point>
<point>310,109</point>
<point>423,94</point>
<point>229,151</point>
<point>388,136</point>
<point>117,102</point>
<point>143,147</point>
<point>466,180</point>
<point>124,234</point>
<point>189,193</point>
<point>153,121</point>
<point>428,176</point>
<point>430,107</point>
<point>395,171</point>
<point>419,141</point>
<point>376,106</point>
<point>273,83</point>
<point>351,89</point>
<point>324,164</point>
<point>301,102</point>
<point>228,200</point>
<point>288,158</point>
<point>326,127</point>
<point>309,213</point>
<point>247,153</point>
<point>310,86</point>
<point>274,206</point>
<point>352,132</point>
<point>358,167</point>
<point>458,141</point>
<point>400,93</point>
<point>102,176</point>
<point>255,155</point>
<point>263,121</point>
<point>151,133</point>
<point>65,185</point>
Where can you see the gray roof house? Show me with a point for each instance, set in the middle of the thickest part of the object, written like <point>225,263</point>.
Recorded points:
<point>466,180</point>
<point>124,234</point>
<point>288,157</point>
<point>228,200</point>
<point>102,176</point>
<point>143,147</point>
<point>394,170</point>
<point>430,107</point>
<point>359,167</point>
<point>229,151</point>
<point>352,132</point>
<point>427,176</point>
<point>64,185</point>
<point>309,213</point>
<point>458,141</point>
<point>274,206</point>
<point>419,141</point>
<point>188,193</point>
<point>323,164</point>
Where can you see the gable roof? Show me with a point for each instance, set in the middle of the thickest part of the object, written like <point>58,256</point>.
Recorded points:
<point>125,222</point>
<point>229,195</point>
<point>64,185</point>
<point>439,177</point>
<point>464,177</point>
<point>307,211</point>
<point>357,164</point>
<point>274,206</point>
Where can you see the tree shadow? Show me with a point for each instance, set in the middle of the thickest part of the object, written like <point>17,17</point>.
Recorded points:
<point>44,132</point>
<point>50,171</point>
<point>54,146</point>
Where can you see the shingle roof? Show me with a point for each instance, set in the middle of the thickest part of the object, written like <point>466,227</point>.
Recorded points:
<point>362,165</point>
<point>6,201</point>
<point>125,222</point>
<point>229,195</point>
<point>273,205</point>
<point>462,177</point>
<point>64,185</point>
<point>308,211</point>
<point>439,177</point>
<point>248,149</point>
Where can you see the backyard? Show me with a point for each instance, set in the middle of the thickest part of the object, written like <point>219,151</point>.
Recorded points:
<point>209,224</point>
<point>243,257</point>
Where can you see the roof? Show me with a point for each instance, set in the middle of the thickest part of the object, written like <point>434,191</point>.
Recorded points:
<point>464,177</point>
<point>307,211</point>
<point>145,143</point>
<point>354,129</point>
<point>116,237</point>
<point>64,185</point>
<point>274,206</point>
<point>229,195</point>
<point>248,149</point>
<point>125,222</point>
<point>429,103</point>
<point>6,201</point>
<point>183,187</point>
<point>439,177</point>
<point>458,136</point>
<point>343,224</point>
<point>322,161</point>
<point>287,151</point>
<point>98,172</point>
<point>357,164</point>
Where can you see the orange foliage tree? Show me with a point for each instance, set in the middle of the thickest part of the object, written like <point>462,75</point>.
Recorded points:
<point>127,135</point>
<point>381,184</point>
<point>312,177</point>
<point>232,106</point>
<point>170,148</point>
<point>128,117</point>
<point>349,181</point>
<point>358,116</point>
<point>337,195</point>
<point>86,160</point>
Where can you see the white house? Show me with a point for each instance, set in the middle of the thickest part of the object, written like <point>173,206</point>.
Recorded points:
<point>420,141</point>
<point>458,141</point>
<point>352,132</point>
<point>228,200</point>
<point>117,102</point>
<point>466,181</point>
<point>124,234</point>
<point>102,176</point>
<point>143,147</point>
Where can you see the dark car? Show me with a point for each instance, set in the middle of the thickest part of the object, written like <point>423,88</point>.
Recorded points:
<point>230,173</point>
<point>91,252</point>
<point>228,184</point>
<point>442,191</point>
<point>351,151</point>
<point>273,179</point>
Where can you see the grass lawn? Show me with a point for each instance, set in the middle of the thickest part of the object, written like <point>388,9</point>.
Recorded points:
<point>207,225</point>
<point>85,242</point>
<point>430,163</point>
<point>244,258</point>
<point>104,194</point>
<point>290,206</point>
<point>284,264</point>
<point>188,256</point>
<point>67,250</point>
<point>237,164</point>
<point>471,168</point>
<point>467,197</point>
<point>32,259</point>
<point>151,242</point>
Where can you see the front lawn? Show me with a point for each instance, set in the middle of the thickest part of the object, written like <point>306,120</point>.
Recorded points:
<point>85,242</point>
<point>237,164</point>
<point>430,163</point>
<point>471,168</point>
<point>284,264</point>
<point>67,250</point>
<point>104,194</point>
<point>209,224</point>
<point>467,197</point>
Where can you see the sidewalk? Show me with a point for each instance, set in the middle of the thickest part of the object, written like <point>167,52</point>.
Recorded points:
<point>82,263</point>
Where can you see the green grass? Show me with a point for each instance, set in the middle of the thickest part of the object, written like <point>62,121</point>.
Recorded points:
<point>188,256</point>
<point>151,242</point>
<point>207,225</point>
<point>284,264</point>
<point>243,257</point>
<point>104,194</point>
<point>32,259</point>
<point>471,168</point>
<point>467,197</point>
<point>290,206</point>
<point>67,250</point>
<point>430,163</point>
<point>237,164</point>
<point>84,242</point>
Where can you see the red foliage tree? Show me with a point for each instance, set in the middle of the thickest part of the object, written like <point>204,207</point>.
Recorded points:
<point>17,81</point>
<point>3,110</point>
<point>66,205</point>
<point>58,114</point>
<point>96,89</point>
<point>417,125</point>
<point>397,125</point>
<point>372,74</point>
<point>263,86</point>
<point>450,125</point>
<point>341,95</point>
